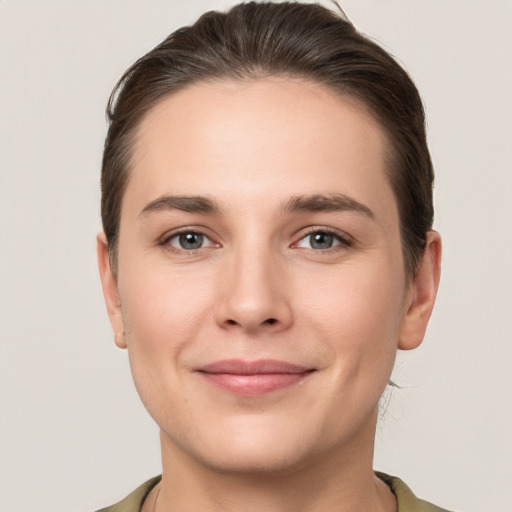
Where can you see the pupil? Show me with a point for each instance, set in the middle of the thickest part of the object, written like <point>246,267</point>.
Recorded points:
<point>191,240</point>
<point>321,241</point>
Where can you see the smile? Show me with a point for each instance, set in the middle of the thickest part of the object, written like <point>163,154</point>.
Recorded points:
<point>253,378</point>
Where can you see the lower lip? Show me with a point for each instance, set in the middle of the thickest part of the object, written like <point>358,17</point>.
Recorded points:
<point>254,385</point>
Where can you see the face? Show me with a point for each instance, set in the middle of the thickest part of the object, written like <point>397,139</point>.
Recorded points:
<point>261,286</point>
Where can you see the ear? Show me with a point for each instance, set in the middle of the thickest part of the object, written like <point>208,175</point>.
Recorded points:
<point>422,294</point>
<point>110,291</point>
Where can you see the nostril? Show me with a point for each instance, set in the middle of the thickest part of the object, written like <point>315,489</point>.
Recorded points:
<point>230,322</point>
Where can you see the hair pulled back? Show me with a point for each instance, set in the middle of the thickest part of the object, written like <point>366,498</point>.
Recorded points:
<point>256,40</point>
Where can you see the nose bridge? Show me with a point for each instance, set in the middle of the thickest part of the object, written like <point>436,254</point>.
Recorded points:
<point>253,293</point>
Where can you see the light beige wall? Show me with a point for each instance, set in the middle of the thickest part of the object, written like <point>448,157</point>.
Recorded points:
<point>73,435</point>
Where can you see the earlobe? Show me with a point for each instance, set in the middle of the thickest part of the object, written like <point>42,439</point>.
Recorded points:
<point>422,296</point>
<point>110,290</point>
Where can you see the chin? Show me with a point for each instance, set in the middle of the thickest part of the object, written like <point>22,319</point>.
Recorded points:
<point>256,444</point>
<point>254,459</point>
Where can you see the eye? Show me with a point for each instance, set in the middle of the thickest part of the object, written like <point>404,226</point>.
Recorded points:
<point>189,241</point>
<point>321,240</point>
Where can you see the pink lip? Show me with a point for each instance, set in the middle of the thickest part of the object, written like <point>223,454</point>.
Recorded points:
<point>252,378</point>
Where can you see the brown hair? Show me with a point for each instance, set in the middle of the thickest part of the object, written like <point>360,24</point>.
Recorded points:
<point>255,40</point>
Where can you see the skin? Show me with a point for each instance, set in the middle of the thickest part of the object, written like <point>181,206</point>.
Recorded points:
<point>259,288</point>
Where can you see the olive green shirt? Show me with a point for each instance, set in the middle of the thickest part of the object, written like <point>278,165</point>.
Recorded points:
<point>406,500</point>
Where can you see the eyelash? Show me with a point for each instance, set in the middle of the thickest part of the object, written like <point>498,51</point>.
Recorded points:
<point>343,241</point>
<point>186,231</point>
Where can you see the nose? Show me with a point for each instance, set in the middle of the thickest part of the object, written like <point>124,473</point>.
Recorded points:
<point>255,297</point>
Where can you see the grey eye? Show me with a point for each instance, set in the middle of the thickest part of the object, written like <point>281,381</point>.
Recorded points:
<point>320,240</point>
<point>188,241</point>
<point>191,240</point>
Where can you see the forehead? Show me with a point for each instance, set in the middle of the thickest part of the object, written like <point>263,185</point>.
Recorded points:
<point>263,138</point>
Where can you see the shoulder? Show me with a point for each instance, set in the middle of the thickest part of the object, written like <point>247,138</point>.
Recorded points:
<point>406,500</point>
<point>133,502</point>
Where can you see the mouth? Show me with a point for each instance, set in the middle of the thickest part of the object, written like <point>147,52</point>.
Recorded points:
<point>253,378</point>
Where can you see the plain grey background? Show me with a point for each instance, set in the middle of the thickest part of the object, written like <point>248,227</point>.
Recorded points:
<point>73,434</point>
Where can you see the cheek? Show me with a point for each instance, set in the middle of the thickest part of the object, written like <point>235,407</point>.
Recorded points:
<point>163,312</point>
<point>163,299</point>
<point>358,312</point>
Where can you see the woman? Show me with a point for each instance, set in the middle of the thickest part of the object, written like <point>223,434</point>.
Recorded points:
<point>267,247</point>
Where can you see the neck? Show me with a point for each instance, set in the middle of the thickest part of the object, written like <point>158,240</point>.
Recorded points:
<point>340,481</point>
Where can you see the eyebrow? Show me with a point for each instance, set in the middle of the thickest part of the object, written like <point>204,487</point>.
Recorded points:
<point>296,204</point>
<point>325,203</point>
<point>189,204</point>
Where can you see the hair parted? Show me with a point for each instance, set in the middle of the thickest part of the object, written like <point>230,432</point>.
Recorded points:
<point>297,40</point>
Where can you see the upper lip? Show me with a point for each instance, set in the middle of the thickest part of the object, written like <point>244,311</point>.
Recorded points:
<point>259,367</point>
